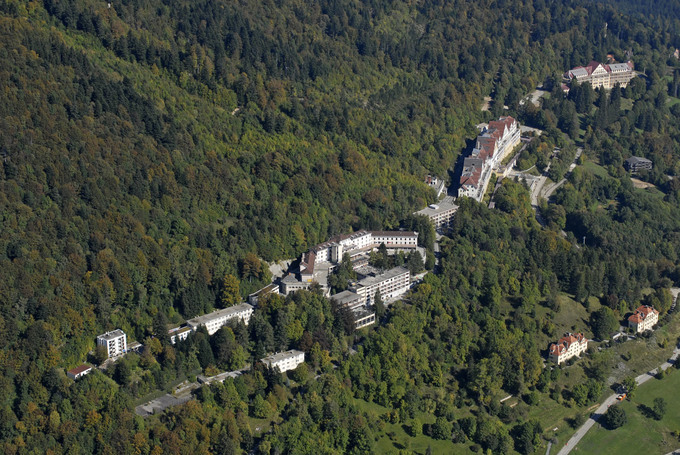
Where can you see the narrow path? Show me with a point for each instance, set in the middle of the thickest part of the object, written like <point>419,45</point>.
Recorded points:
<point>569,446</point>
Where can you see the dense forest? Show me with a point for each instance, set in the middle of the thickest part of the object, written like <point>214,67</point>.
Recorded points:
<point>156,155</point>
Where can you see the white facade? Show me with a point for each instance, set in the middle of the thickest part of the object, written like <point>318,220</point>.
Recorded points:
<point>79,372</point>
<point>569,346</point>
<point>440,214</point>
<point>114,341</point>
<point>644,318</point>
<point>285,361</point>
<point>601,75</point>
<point>391,284</point>
<point>215,320</point>
<point>179,334</point>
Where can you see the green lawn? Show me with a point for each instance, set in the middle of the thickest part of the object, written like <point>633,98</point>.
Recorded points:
<point>595,169</point>
<point>644,434</point>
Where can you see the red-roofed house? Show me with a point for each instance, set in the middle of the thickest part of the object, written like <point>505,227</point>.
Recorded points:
<point>497,140</point>
<point>644,318</point>
<point>79,372</point>
<point>570,345</point>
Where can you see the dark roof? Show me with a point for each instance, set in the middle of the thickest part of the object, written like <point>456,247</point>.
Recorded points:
<point>637,160</point>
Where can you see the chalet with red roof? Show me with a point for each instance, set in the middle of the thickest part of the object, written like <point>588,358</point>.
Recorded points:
<point>497,140</point>
<point>570,345</point>
<point>644,318</point>
<point>602,75</point>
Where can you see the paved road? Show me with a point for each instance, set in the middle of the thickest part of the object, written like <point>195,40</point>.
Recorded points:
<point>612,401</point>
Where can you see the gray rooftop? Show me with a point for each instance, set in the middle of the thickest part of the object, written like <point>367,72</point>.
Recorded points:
<point>619,67</point>
<point>371,280</point>
<point>637,160</point>
<point>226,312</point>
<point>441,206</point>
<point>345,297</point>
<point>579,72</point>
<point>281,356</point>
<point>108,336</point>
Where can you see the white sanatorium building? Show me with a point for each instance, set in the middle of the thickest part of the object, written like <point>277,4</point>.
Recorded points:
<point>114,341</point>
<point>316,263</point>
<point>600,75</point>
<point>215,320</point>
<point>285,361</point>
<point>497,140</point>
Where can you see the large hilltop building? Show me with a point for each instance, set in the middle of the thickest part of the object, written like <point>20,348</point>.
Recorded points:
<point>319,261</point>
<point>497,140</point>
<point>602,75</point>
<point>570,345</point>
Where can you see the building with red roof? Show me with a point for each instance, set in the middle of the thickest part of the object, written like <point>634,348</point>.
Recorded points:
<point>570,345</point>
<point>79,372</point>
<point>644,318</point>
<point>497,140</point>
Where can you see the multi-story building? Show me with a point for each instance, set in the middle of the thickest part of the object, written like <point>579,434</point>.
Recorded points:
<point>602,75</point>
<point>496,141</point>
<point>285,361</point>
<point>391,284</point>
<point>636,164</point>
<point>440,214</point>
<point>569,346</point>
<point>362,314</point>
<point>114,341</point>
<point>215,320</point>
<point>79,372</point>
<point>644,318</point>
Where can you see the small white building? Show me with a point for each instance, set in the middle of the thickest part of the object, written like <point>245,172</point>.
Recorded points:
<point>215,320</point>
<point>115,342</point>
<point>179,334</point>
<point>79,372</point>
<point>284,361</point>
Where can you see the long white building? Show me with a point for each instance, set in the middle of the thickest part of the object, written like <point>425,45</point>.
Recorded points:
<point>496,142</point>
<point>215,320</point>
<point>391,284</point>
